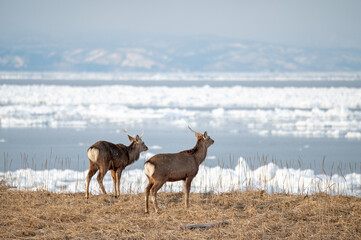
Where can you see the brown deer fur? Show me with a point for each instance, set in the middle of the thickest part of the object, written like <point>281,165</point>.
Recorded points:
<point>172,167</point>
<point>104,156</point>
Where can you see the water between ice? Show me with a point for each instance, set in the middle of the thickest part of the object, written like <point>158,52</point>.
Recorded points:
<point>61,148</point>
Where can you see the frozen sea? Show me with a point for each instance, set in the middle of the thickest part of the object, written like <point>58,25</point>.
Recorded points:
<point>309,123</point>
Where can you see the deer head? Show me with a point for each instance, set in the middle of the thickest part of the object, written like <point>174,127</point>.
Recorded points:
<point>137,140</point>
<point>208,141</point>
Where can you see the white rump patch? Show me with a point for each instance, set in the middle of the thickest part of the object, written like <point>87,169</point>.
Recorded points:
<point>149,169</point>
<point>93,154</point>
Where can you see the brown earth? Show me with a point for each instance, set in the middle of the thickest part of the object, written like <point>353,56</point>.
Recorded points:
<point>250,215</point>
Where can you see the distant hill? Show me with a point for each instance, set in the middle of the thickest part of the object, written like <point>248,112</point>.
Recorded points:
<point>186,54</point>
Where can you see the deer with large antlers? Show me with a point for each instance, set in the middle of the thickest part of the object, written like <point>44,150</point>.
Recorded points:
<point>104,156</point>
<point>173,167</point>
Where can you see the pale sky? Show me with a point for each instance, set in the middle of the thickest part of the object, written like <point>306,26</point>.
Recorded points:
<point>310,23</point>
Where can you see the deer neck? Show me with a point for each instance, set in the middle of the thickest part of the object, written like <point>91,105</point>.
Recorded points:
<point>200,152</point>
<point>133,153</point>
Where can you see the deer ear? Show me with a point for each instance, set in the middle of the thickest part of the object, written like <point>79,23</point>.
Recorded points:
<point>205,134</point>
<point>137,138</point>
<point>130,138</point>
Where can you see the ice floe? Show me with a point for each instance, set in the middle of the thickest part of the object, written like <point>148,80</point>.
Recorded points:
<point>288,111</point>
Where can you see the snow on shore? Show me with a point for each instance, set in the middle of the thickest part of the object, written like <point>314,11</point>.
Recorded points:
<point>270,178</point>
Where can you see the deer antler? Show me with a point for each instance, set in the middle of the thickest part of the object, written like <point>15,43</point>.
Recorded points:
<point>198,134</point>
<point>191,129</point>
<point>142,134</point>
<point>126,132</point>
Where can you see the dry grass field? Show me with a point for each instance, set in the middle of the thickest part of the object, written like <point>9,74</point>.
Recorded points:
<point>250,215</point>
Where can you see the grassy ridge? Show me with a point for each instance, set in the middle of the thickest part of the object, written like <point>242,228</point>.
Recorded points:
<point>251,215</point>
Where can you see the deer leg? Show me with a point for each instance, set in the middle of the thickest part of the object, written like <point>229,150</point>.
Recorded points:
<point>100,177</point>
<point>118,176</point>
<point>153,191</point>
<point>93,168</point>
<point>147,192</point>
<point>187,188</point>
<point>114,182</point>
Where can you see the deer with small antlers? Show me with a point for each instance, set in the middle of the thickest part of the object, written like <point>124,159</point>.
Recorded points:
<point>104,156</point>
<point>173,167</point>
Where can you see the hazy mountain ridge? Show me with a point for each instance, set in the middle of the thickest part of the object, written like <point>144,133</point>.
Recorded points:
<point>199,54</point>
